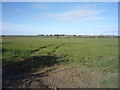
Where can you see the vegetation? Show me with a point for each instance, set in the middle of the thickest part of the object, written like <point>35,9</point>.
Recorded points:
<point>94,59</point>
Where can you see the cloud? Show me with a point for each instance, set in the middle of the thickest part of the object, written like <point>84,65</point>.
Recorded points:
<point>78,12</point>
<point>90,6</point>
<point>107,27</point>
<point>77,15</point>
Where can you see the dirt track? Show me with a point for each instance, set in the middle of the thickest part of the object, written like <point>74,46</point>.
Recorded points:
<point>57,78</point>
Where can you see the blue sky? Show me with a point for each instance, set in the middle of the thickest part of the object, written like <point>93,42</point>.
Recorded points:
<point>80,18</point>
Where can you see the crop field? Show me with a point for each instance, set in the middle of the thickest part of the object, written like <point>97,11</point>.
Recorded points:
<point>60,62</point>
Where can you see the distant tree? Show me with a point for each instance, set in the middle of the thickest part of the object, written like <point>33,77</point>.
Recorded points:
<point>74,35</point>
<point>56,35</point>
<point>41,35</point>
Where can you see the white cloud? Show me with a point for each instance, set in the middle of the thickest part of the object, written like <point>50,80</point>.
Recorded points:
<point>90,6</point>
<point>107,27</point>
<point>77,15</point>
<point>80,12</point>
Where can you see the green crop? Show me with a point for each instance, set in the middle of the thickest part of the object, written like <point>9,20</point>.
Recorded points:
<point>97,54</point>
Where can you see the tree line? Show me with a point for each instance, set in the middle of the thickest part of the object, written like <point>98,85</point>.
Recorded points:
<point>64,35</point>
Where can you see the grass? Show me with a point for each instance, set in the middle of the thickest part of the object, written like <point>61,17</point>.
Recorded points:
<point>88,56</point>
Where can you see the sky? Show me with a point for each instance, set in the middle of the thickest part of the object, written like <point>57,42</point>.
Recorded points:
<point>79,18</point>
